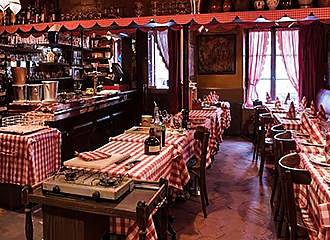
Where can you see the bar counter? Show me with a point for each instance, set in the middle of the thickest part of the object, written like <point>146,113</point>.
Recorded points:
<point>86,122</point>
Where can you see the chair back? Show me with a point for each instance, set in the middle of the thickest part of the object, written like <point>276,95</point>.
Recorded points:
<point>202,134</point>
<point>290,174</point>
<point>283,144</point>
<point>257,111</point>
<point>279,128</point>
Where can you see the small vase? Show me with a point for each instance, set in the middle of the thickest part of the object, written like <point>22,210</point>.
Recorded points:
<point>272,4</point>
<point>305,3</point>
<point>227,6</point>
<point>215,6</point>
<point>286,4</point>
<point>139,9</point>
<point>242,5</point>
<point>259,4</point>
<point>324,3</point>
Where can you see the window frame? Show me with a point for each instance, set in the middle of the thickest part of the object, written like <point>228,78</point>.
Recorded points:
<point>273,78</point>
<point>152,66</point>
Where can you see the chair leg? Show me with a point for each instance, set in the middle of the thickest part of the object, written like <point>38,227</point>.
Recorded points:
<point>203,198</point>
<point>274,188</point>
<point>278,203</point>
<point>256,149</point>
<point>281,219</point>
<point>205,193</point>
<point>262,163</point>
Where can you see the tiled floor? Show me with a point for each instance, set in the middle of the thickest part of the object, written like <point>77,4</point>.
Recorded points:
<point>239,207</point>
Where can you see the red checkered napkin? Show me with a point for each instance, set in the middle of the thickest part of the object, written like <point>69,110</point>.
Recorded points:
<point>321,114</point>
<point>268,98</point>
<point>93,155</point>
<point>324,210</point>
<point>292,111</point>
<point>327,148</point>
<point>315,132</point>
<point>303,102</point>
<point>304,123</point>
<point>313,109</point>
<point>287,98</point>
<point>277,103</point>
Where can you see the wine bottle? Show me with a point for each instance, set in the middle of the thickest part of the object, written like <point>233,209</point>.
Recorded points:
<point>151,144</point>
<point>163,135</point>
<point>157,124</point>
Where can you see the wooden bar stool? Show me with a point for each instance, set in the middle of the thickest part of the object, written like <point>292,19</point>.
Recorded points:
<point>283,145</point>
<point>290,174</point>
<point>265,141</point>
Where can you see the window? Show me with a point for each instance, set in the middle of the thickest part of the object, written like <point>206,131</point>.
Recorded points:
<point>158,73</point>
<point>273,64</point>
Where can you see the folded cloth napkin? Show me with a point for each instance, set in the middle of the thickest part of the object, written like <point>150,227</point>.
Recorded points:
<point>93,155</point>
<point>316,132</point>
<point>321,114</point>
<point>292,111</point>
<point>311,128</point>
<point>287,98</point>
<point>313,109</point>
<point>324,210</point>
<point>327,148</point>
<point>303,102</point>
<point>268,98</point>
<point>77,162</point>
<point>277,103</point>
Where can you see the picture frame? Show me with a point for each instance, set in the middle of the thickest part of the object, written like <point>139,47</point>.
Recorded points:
<point>216,54</point>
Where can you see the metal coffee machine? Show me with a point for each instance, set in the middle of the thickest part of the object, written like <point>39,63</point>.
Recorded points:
<point>50,91</point>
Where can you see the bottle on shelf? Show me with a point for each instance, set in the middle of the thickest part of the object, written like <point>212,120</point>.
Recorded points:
<point>152,144</point>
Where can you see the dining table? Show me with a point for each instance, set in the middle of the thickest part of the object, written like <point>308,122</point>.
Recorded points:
<point>27,159</point>
<point>167,164</point>
<point>313,199</point>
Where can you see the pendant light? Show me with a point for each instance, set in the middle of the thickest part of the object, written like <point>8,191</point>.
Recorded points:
<point>15,6</point>
<point>4,4</point>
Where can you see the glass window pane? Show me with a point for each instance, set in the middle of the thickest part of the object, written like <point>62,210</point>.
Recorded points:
<point>266,72</point>
<point>262,87</point>
<point>280,68</point>
<point>283,87</point>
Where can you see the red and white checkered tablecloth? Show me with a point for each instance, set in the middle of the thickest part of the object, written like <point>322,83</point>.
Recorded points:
<point>289,124</point>
<point>314,199</point>
<point>29,159</point>
<point>151,167</point>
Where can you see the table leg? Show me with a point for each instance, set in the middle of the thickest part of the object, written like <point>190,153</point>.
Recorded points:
<point>28,222</point>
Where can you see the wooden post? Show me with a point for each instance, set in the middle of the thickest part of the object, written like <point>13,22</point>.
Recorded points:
<point>186,72</point>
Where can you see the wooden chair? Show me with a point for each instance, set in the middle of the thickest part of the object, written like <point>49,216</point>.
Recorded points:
<point>199,168</point>
<point>289,175</point>
<point>257,128</point>
<point>265,142</point>
<point>279,128</point>
<point>283,145</point>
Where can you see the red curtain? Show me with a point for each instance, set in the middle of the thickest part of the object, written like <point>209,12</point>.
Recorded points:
<point>312,60</point>
<point>174,71</point>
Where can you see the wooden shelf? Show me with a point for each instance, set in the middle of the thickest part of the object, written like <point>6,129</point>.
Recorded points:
<point>54,64</point>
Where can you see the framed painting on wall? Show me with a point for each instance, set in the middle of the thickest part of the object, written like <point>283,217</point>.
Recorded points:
<point>217,54</point>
